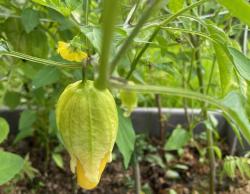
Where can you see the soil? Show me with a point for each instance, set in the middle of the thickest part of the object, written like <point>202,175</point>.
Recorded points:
<point>116,180</point>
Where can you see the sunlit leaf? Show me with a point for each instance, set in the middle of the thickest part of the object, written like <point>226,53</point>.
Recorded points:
<point>241,63</point>
<point>175,5</point>
<point>57,5</point>
<point>238,8</point>
<point>224,62</point>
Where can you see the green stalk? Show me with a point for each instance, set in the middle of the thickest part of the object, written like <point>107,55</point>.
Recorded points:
<point>87,20</point>
<point>210,141</point>
<point>191,32</point>
<point>40,60</point>
<point>85,63</point>
<point>137,173</point>
<point>156,31</point>
<point>109,17</point>
<point>180,92</point>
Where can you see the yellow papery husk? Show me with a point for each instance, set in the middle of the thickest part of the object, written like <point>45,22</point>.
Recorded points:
<point>87,121</point>
<point>68,54</point>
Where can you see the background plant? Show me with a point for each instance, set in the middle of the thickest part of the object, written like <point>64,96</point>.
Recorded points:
<point>164,47</point>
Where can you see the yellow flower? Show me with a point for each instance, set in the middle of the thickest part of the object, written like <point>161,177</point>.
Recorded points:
<point>70,54</point>
<point>87,121</point>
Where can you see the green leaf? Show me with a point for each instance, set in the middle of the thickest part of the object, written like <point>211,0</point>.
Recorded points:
<point>73,4</point>
<point>12,99</point>
<point>238,8</point>
<point>58,160</point>
<point>241,63</point>
<point>155,160</point>
<point>11,164</point>
<point>125,138</point>
<point>217,151</point>
<point>4,129</point>
<point>36,44</point>
<point>27,43</point>
<point>28,169</point>
<point>171,191</point>
<point>57,5</point>
<point>175,5</point>
<point>223,59</point>
<point>52,122</point>
<point>178,139</point>
<point>27,119</point>
<point>30,19</point>
<point>47,75</point>
<point>230,166</point>
<point>64,22</point>
<point>93,34</point>
<point>235,111</point>
<point>23,134</point>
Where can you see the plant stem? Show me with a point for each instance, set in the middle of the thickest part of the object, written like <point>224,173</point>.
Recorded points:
<point>244,49</point>
<point>211,75</point>
<point>169,91</point>
<point>160,117</point>
<point>211,155</point>
<point>109,17</point>
<point>84,69</point>
<point>137,174</point>
<point>40,60</point>
<point>245,40</point>
<point>212,178</point>
<point>185,83</point>
<point>87,20</point>
<point>85,63</point>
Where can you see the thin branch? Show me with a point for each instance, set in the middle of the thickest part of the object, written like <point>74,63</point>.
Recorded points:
<point>40,60</point>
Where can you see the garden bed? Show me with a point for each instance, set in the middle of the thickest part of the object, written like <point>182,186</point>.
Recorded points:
<point>155,178</point>
<point>185,173</point>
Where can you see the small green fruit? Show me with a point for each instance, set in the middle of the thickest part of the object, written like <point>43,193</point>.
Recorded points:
<point>128,99</point>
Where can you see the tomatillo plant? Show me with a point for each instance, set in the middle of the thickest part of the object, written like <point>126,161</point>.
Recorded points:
<point>86,112</point>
